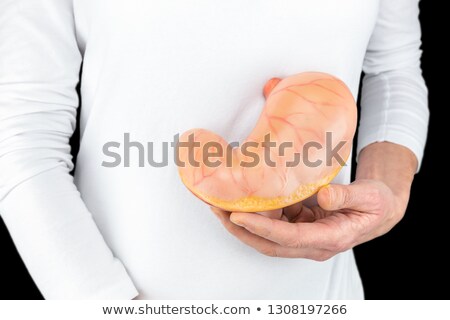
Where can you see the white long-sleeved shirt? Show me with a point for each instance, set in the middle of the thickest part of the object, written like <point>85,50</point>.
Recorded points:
<point>150,70</point>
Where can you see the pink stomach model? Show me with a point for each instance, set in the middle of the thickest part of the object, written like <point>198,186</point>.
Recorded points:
<point>300,142</point>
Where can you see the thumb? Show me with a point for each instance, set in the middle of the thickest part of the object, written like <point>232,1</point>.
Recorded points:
<point>337,196</point>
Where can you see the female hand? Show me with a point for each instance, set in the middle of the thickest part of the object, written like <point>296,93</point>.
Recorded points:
<point>346,215</point>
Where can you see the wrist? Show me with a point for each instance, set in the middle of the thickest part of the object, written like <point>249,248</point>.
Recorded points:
<point>389,163</point>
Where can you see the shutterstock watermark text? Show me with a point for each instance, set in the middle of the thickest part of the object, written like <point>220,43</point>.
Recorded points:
<point>213,154</point>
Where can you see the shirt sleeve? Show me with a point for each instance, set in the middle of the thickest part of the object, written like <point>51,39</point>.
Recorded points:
<point>394,104</point>
<point>51,227</point>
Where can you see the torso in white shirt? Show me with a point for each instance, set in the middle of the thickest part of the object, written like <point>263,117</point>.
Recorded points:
<point>153,69</point>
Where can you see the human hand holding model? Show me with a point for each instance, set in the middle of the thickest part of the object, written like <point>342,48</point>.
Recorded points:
<point>345,216</point>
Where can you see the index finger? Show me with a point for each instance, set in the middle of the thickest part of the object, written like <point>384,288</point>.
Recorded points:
<point>320,234</point>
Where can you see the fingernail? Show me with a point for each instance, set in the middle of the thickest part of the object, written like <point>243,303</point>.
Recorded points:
<point>328,189</point>
<point>237,221</point>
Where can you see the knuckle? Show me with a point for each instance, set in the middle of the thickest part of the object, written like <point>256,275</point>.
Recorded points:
<point>331,196</point>
<point>398,217</point>
<point>335,247</point>
<point>293,243</point>
<point>357,227</point>
<point>375,195</point>
<point>339,246</point>
<point>322,256</point>
<point>346,197</point>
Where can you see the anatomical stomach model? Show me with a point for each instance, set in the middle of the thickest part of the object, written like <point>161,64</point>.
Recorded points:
<point>298,145</point>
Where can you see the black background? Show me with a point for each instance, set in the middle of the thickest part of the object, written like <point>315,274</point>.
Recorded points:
<point>407,263</point>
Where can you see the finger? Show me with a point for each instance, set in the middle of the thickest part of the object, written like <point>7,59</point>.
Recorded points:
<point>310,214</point>
<point>300,213</point>
<point>262,245</point>
<point>284,233</point>
<point>357,196</point>
<point>333,233</point>
<point>219,213</point>
<point>293,211</point>
<point>272,214</point>
<point>268,247</point>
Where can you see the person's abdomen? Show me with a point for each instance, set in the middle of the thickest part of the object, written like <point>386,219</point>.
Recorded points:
<point>157,68</point>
